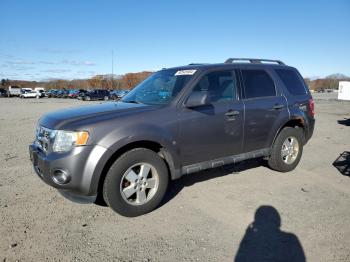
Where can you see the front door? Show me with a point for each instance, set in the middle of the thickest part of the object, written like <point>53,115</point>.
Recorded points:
<point>215,130</point>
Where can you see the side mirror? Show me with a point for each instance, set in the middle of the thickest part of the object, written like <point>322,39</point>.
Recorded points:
<point>197,98</point>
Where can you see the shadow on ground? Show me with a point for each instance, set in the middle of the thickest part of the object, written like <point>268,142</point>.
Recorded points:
<point>188,180</point>
<point>342,163</point>
<point>265,241</point>
<point>345,122</point>
<point>176,186</point>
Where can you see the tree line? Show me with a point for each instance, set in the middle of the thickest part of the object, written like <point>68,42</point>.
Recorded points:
<point>127,81</point>
<point>130,80</point>
<point>324,83</point>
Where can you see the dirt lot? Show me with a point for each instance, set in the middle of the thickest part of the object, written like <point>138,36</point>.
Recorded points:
<point>204,217</point>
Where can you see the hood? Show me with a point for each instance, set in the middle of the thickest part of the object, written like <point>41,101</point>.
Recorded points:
<point>63,119</point>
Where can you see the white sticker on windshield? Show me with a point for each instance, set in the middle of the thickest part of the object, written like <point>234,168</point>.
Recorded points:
<point>188,72</point>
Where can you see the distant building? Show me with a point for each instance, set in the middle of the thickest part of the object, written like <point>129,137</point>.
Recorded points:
<point>344,90</point>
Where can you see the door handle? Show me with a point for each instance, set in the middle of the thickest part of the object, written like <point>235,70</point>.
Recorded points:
<point>278,106</point>
<point>232,113</point>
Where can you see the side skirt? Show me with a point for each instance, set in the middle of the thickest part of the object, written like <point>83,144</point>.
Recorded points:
<point>185,170</point>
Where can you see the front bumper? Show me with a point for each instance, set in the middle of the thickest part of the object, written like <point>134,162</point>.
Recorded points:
<point>81,164</point>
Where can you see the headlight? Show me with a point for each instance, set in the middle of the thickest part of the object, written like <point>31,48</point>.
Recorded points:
<point>66,140</point>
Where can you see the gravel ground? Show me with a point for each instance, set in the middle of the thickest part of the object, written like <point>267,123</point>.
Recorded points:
<point>204,217</point>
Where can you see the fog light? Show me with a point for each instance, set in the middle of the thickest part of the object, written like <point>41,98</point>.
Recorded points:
<point>60,177</point>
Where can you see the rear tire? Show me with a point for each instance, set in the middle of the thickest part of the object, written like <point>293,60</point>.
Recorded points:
<point>136,182</point>
<point>286,150</point>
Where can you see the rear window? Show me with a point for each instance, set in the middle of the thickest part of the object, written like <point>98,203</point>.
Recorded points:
<point>292,81</point>
<point>257,83</point>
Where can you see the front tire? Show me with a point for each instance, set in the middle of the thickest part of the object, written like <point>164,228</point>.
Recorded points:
<point>286,150</point>
<point>136,182</point>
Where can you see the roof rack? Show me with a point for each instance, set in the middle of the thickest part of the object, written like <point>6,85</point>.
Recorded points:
<point>253,60</point>
<point>191,64</point>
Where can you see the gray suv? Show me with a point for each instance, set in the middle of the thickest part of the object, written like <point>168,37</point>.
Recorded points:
<point>178,121</point>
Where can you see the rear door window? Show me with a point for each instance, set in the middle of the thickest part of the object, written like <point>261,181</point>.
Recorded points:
<point>292,81</point>
<point>257,83</point>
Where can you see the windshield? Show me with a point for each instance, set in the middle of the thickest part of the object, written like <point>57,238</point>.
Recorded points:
<point>160,88</point>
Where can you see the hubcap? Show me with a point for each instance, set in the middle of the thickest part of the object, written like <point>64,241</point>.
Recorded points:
<point>139,184</point>
<point>290,150</point>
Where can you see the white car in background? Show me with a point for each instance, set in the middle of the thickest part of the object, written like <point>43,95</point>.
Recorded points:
<point>40,91</point>
<point>26,89</point>
<point>29,94</point>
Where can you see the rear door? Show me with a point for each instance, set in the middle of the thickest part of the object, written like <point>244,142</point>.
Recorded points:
<point>215,130</point>
<point>265,108</point>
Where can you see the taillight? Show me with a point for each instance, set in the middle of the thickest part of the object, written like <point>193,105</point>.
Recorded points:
<point>311,107</point>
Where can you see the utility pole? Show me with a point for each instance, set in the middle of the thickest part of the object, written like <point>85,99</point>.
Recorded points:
<point>112,68</point>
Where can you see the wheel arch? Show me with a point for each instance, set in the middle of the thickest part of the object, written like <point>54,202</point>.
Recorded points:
<point>295,122</point>
<point>156,147</point>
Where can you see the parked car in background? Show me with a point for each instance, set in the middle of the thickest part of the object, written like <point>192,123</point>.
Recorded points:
<point>97,94</point>
<point>61,93</point>
<point>53,93</point>
<point>64,93</point>
<point>40,91</point>
<point>14,91</point>
<point>117,94</point>
<point>26,89</point>
<point>123,93</point>
<point>3,92</point>
<point>29,94</point>
<point>114,94</point>
<point>50,92</point>
<point>73,93</point>
<point>57,94</point>
<point>81,94</point>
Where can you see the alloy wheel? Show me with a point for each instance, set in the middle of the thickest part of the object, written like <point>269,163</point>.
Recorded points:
<point>139,184</point>
<point>290,150</point>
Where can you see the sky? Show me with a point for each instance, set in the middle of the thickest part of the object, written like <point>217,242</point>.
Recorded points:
<point>66,39</point>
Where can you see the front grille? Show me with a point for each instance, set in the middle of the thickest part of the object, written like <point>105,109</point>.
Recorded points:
<point>44,138</point>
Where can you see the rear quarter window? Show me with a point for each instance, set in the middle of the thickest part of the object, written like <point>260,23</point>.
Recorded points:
<point>292,81</point>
